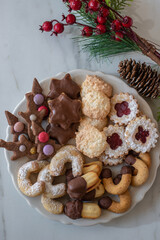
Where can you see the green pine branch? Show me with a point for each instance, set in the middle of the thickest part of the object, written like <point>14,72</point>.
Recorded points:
<point>118,5</point>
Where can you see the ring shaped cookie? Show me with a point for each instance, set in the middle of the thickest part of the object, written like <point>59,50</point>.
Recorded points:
<point>122,186</point>
<point>117,207</point>
<point>24,182</point>
<point>142,170</point>
<point>145,157</point>
<point>52,206</point>
<point>51,191</point>
<point>66,154</point>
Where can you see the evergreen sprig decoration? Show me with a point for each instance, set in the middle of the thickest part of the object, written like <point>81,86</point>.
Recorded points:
<point>105,32</point>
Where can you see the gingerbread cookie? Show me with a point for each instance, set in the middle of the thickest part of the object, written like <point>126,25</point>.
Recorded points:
<point>21,148</point>
<point>65,85</point>
<point>124,108</point>
<point>141,134</point>
<point>90,141</point>
<point>17,128</point>
<point>64,111</point>
<point>116,144</point>
<point>46,147</point>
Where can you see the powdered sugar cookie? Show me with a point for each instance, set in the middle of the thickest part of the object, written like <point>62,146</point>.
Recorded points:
<point>90,141</point>
<point>116,144</point>
<point>141,134</point>
<point>96,104</point>
<point>124,108</point>
<point>110,161</point>
<point>24,182</point>
<point>97,123</point>
<point>95,83</point>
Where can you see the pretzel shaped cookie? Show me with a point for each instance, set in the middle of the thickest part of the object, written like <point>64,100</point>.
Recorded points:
<point>66,154</point>
<point>141,168</point>
<point>117,207</point>
<point>24,183</point>
<point>122,186</point>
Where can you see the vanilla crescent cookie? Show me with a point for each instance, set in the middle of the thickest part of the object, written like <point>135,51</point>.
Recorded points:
<point>141,134</point>
<point>110,161</point>
<point>95,104</point>
<point>66,154</point>
<point>97,123</point>
<point>116,145</point>
<point>51,205</point>
<point>124,108</point>
<point>95,83</point>
<point>24,182</point>
<point>90,141</point>
<point>51,191</point>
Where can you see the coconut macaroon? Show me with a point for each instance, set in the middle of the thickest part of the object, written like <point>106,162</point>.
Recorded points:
<point>96,104</point>
<point>95,83</point>
<point>90,141</point>
<point>97,123</point>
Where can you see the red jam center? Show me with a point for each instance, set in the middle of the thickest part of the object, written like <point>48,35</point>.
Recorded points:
<point>122,109</point>
<point>114,141</point>
<point>142,134</point>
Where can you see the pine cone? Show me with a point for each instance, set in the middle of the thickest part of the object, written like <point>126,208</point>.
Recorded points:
<point>141,77</point>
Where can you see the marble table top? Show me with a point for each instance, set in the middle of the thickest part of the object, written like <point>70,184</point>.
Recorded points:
<point>25,53</point>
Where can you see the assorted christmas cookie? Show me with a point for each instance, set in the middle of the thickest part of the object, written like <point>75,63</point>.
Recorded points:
<point>141,134</point>
<point>124,108</point>
<point>116,145</point>
<point>17,128</point>
<point>127,143</point>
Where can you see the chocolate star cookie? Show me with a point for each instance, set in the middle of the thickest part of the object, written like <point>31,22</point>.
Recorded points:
<point>64,111</point>
<point>65,85</point>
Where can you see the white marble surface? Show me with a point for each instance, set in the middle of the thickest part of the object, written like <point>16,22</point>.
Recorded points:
<point>25,53</point>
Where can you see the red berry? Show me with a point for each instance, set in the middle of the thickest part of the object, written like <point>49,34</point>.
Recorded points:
<point>118,36</point>
<point>43,107</point>
<point>101,19</point>
<point>87,31</point>
<point>127,22</point>
<point>75,4</point>
<point>101,28</point>
<point>58,27</point>
<point>70,19</point>
<point>104,12</point>
<point>47,26</point>
<point>93,5</point>
<point>43,137</point>
<point>116,25</point>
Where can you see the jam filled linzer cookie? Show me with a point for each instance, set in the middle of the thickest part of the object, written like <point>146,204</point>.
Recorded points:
<point>141,134</point>
<point>106,160</point>
<point>21,148</point>
<point>77,209</point>
<point>95,83</point>
<point>116,144</point>
<point>46,147</point>
<point>60,134</point>
<point>124,108</point>
<point>65,85</point>
<point>64,111</point>
<point>90,141</point>
<point>17,128</point>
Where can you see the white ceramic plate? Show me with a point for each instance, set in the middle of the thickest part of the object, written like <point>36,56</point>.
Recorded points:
<point>137,193</point>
